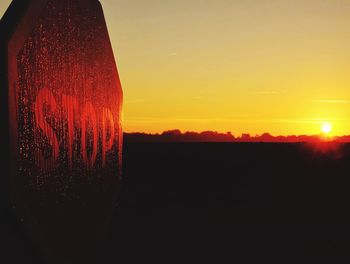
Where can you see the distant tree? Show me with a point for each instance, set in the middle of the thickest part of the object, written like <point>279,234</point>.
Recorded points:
<point>245,137</point>
<point>172,132</point>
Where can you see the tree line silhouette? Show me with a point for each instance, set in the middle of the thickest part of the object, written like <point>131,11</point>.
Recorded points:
<point>212,136</point>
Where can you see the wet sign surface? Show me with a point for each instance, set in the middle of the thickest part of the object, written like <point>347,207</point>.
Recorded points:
<point>64,119</point>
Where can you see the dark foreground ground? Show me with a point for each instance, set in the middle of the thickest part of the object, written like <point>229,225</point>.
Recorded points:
<point>227,203</point>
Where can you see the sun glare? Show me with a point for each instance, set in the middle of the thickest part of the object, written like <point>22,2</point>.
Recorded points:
<point>326,128</point>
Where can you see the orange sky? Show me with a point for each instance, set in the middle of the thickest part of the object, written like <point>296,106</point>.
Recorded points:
<point>243,66</point>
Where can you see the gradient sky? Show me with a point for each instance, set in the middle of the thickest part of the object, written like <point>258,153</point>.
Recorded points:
<point>243,66</point>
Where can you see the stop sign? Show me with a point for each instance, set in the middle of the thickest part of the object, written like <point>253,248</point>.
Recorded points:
<point>61,103</point>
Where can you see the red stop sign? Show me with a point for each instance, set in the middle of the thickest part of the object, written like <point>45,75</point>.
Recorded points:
<point>63,102</point>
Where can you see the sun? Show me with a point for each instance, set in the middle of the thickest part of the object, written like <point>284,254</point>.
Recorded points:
<point>326,128</point>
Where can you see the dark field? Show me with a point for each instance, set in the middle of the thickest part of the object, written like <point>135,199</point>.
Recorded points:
<point>226,203</point>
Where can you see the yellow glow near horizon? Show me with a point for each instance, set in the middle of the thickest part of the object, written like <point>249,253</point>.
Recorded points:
<point>326,128</point>
<point>243,66</point>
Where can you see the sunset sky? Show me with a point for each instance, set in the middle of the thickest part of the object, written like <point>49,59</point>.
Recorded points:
<point>248,66</point>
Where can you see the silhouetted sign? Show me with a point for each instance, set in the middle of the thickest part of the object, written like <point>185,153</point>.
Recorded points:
<point>62,100</point>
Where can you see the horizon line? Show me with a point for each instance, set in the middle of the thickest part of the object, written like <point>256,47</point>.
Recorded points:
<point>213,136</point>
<point>183,132</point>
